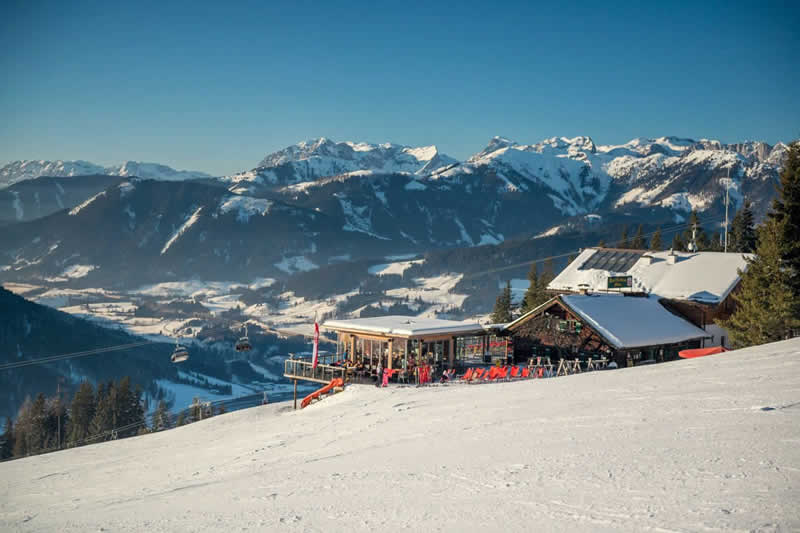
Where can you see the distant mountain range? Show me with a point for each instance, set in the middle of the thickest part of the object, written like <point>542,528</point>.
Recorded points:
<point>321,202</point>
<point>17,171</point>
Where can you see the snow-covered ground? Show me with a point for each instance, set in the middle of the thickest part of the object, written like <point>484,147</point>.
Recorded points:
<point>703,444</point>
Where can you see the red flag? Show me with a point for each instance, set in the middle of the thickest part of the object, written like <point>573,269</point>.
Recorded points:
<point>316,344</point>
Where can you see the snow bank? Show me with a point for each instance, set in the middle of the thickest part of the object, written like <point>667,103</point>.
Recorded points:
<point>706,444</point>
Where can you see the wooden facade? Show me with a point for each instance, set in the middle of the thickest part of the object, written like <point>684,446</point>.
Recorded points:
<point>555,330</point>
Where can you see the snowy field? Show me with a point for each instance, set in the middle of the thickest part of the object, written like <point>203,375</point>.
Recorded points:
<point>697,445</point>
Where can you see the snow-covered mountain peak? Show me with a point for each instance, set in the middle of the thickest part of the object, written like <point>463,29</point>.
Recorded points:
<point>323,157</point>
<point>29,169</point>
<point>17,171</point>
<point>154,171</point>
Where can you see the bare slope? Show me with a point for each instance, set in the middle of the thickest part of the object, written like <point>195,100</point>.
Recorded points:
<point>712,443</point>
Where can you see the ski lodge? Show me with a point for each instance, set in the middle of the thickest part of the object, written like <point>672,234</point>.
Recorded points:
<point>632,306</point>
<point>626,306</point>
<point>403,342</point>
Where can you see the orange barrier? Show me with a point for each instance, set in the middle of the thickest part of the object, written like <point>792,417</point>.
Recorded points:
<point>338,382</point>
<point>701,352</point>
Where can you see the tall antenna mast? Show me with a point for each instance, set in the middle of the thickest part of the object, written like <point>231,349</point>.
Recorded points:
<point>727,188</point>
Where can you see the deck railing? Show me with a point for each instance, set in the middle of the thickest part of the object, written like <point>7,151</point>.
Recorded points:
<point>299,369</point>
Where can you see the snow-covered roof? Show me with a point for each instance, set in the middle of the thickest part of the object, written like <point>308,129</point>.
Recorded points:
<point>631,322</point>
<point>403,325</point>
<point>700,276</point>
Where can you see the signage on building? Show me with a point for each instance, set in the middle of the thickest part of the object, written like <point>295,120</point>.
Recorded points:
<point>620,282</point>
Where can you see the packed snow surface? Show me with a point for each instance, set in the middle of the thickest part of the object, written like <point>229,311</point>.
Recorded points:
<point>702,444</point>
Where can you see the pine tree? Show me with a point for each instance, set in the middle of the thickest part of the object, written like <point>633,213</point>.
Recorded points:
<point>103,421</point>
<point>655,243</point>
<point>786,210</point>
<point>530,298</point>
<point>623,242</point>
<point>742,237</point>
<point>7,442</point>
<point>677,244</point>
<point>502,307</point>
<point>716,243</point>
<point>181,419</point>
<point>601,243</point>
<point>765,301</point>
<point>20,448</point>
<point>548,274</point>
<point>37,435</point>
<point>55,423</point>
<point>639,242</point>
<point>161,418</point>
<point>81,414</point>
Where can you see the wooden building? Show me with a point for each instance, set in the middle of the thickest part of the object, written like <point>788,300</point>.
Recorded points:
<point>696,285</point>
<point>404,342</point>
<point>624,328</point>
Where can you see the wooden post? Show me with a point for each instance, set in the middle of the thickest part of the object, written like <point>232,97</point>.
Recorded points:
<point>451,356</point>
<point>389,357</point>
<point>295,394</point>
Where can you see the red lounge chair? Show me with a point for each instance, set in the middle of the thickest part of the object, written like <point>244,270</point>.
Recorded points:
<point>467,375</point>
<point>526,372</point>
<point>478,373</point>
<point>514,371</point>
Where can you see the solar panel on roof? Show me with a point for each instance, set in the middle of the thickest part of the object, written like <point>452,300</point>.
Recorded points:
<point>613,260</point>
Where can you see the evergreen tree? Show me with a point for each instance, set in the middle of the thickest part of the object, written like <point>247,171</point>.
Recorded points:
<point>548,274</point>
<point>502,307</point>
<point>765,301</point>
<point>530,298</point>
<point>742,235</point>
<point>81,414</point>
<point>103,421</point>
<point>786,210</point>
<point>716,243</point>
<point>624,242</point>
<point>7,442</point>
<point>56,420</point>
<point>181,419</point>
<point>639,242</point>
<point>655,243</point>
<point>601,243</point>
<point>161,418</point>
<point>32,434</point>
<point>677,244</point>
<point>20,448</point>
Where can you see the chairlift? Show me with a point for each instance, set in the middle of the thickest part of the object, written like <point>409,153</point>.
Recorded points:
<point>243,344</point>
<point>180,354</point>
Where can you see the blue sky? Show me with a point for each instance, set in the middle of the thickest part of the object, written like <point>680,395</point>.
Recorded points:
<point>215,86</point>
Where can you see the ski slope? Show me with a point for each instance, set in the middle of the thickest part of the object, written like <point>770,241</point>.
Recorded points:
<point>703,444</point>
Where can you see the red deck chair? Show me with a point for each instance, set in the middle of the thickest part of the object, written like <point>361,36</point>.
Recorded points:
<point>515,372</point>
<point>478,373</point>
<point>467,375</point>
<point>526,372</point>
<point>503,373</point>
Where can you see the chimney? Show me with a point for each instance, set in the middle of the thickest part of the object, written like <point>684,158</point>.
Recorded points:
<point>647,259</point>
<point>583,288</point>
<point>672,258</point>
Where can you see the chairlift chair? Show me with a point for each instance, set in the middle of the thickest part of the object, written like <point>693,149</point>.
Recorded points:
<point>180,354</point>
<point>243,344</point>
